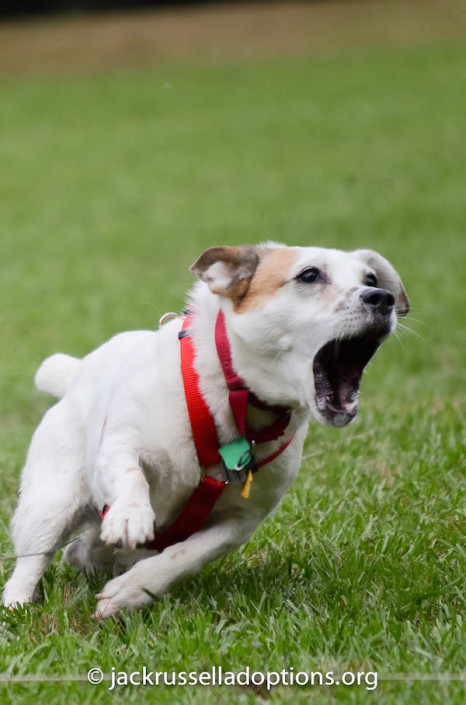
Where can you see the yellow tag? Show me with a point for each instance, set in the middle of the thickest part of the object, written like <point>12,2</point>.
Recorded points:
<point>247,485</point>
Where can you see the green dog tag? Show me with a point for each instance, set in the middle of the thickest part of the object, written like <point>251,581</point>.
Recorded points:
<point>237,459</point>
<point>236,455</point>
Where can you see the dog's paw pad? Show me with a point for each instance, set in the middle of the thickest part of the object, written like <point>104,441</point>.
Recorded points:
<point>128,526</point>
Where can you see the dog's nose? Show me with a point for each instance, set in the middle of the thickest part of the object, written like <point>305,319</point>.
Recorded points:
<point>379,300</point>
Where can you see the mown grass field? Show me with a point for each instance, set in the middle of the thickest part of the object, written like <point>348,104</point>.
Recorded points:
<point>110,187</point>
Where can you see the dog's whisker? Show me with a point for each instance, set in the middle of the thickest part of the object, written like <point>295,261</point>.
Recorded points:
<point>419,321</point>
<point>397,337</point>
<point>405,329</point>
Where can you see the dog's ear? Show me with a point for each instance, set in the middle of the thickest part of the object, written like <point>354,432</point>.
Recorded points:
<point>387,278</point>
<point>227,270</point>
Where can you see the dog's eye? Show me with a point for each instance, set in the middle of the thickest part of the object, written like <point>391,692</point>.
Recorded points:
<point>309,275</point>
<point>370,280</point>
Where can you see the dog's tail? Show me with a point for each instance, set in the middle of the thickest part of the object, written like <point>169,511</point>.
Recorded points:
<point>55,374</point>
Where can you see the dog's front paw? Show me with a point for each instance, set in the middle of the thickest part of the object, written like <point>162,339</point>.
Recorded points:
<point>127,525</point>
<point>124,591</point>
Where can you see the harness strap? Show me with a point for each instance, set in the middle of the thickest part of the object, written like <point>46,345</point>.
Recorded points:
<point>202,423</point>
<point>240,396</point>
<point>204,497</point>
<point>192,517</point>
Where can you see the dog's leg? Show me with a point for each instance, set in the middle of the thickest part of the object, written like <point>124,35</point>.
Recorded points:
<point>52,501</point>
<point>119,482</point>
<point>157,575</point>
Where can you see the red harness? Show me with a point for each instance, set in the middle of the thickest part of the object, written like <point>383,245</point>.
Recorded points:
<point>200,504</point>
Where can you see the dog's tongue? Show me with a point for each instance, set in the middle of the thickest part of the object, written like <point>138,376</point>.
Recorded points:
<point>338,406</point>
<point>348,394</point>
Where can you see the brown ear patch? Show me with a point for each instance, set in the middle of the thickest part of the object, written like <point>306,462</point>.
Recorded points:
<point>242,260</point>
<point>227,270</point>
<point>271,274</point>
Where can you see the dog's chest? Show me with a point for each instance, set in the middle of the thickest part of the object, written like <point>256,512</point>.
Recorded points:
<point>172,476</point>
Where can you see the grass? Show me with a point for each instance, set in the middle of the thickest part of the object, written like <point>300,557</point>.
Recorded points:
<point>111,185</point>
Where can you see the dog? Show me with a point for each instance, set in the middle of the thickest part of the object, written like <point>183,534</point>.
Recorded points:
<point>301,324</point>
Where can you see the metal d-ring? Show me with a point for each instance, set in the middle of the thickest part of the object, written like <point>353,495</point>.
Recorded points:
<point>166,317</point>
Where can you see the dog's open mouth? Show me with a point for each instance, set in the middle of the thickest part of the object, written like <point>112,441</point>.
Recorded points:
<point>338,368</point>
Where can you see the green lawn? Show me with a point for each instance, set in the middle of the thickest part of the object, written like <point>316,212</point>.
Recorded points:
<point>110,186</point>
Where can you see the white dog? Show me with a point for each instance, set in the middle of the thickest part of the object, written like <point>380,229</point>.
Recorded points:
<point>300,325</point>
